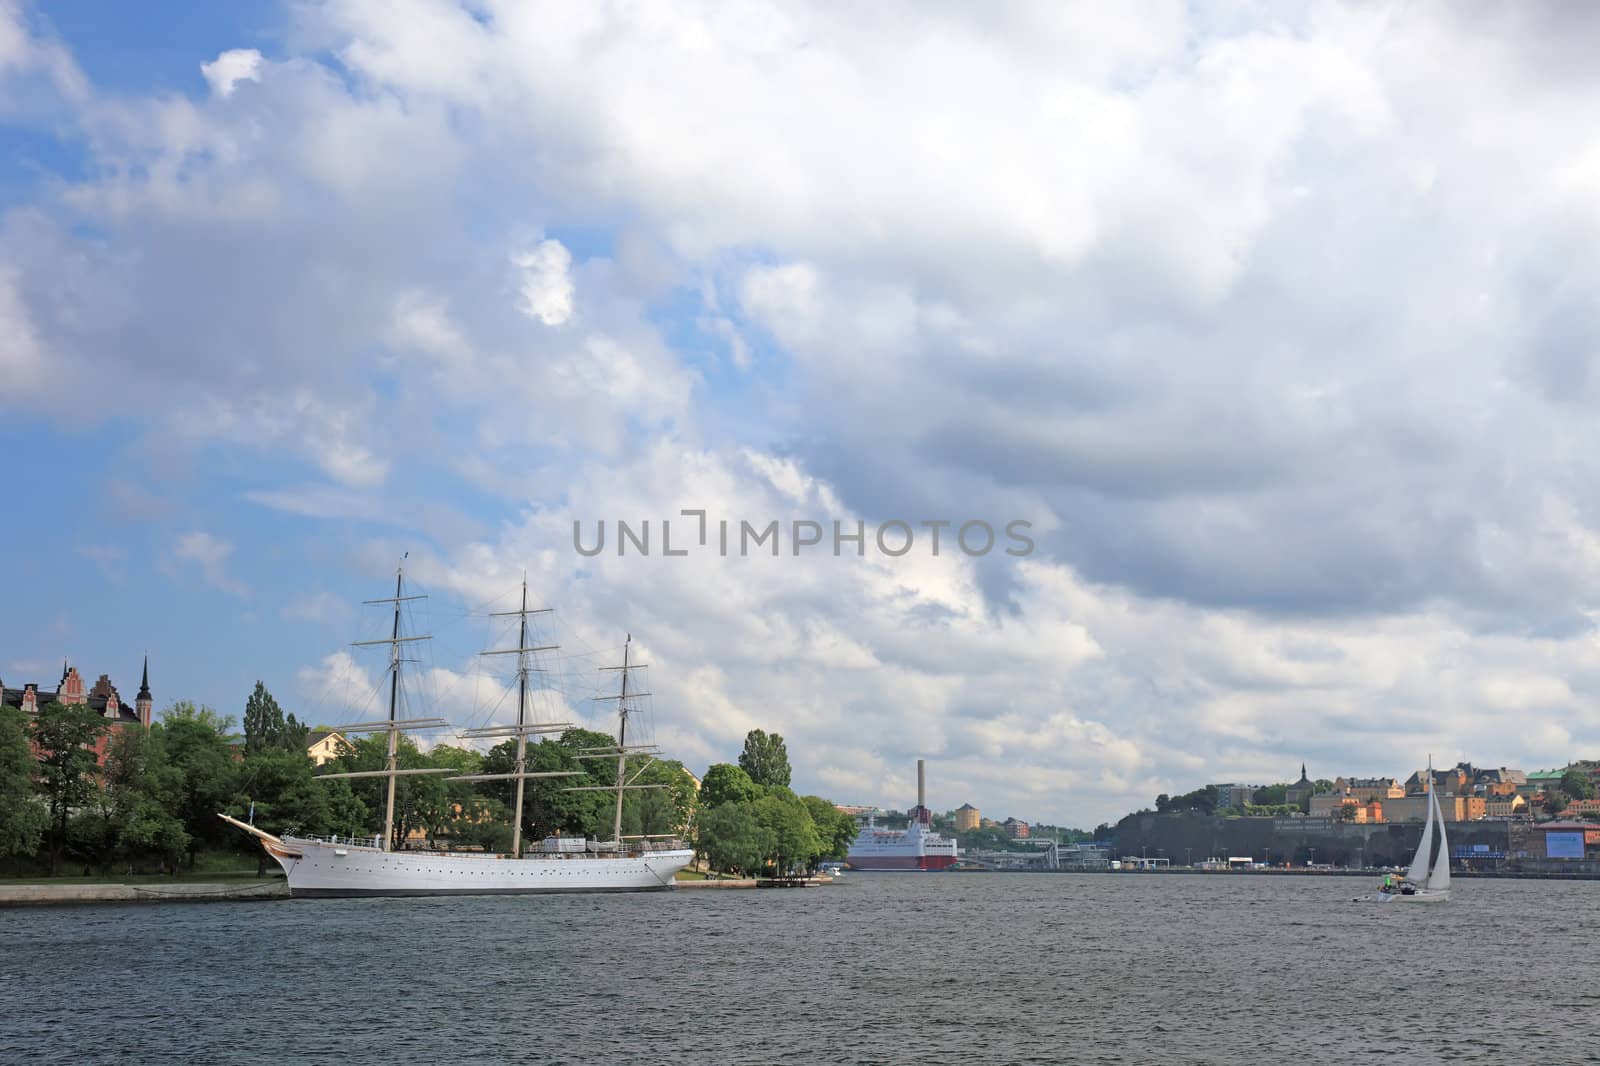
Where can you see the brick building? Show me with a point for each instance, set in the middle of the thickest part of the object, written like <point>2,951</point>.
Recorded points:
<point>102,697</point>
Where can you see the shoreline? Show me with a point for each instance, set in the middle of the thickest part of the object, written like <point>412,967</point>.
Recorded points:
<point>34,893</point>
<point>50,894</point>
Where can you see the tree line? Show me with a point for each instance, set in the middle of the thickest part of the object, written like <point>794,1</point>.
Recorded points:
<point>750,821</point>
<point>78,793</point>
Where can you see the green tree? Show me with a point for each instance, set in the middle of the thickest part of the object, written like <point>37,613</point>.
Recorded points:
<point>263,721</point>
<point>266,728</point>
<point>142,791</point>
<point>421,801</point>
<point>551,805</point>
<point>1272,810</point>
<point>732,839</point>
<point>765,759</point>
<point>992,838</point>
<point>795,843</point>
<point>65,737</point>
<point>1575,784</point>
<point>444,806</point>
<point>726,783</point>
<point>23,820</point>
<point>1270,796</point>
<point>658,811</point>
<point>195,739</point>
<point>1556,802</point>
<point>294,734</point>
<point>836,829</point>
<point>482,822</point>
<point>278,789</point>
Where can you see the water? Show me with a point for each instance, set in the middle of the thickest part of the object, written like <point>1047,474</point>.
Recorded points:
<point>992,968</point>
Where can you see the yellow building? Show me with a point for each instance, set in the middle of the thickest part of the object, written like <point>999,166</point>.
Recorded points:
<point>967,817</point>
<point>1329,804</point>
<point>1454,808</point>
<point>1504,806</point>
<point>325,745</point>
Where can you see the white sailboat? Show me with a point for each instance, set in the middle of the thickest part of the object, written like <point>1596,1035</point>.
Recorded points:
<point>1428,878</point>
<point>369,866</point>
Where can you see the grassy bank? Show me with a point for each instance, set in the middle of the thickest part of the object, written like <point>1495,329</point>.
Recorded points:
<point>208,866</point>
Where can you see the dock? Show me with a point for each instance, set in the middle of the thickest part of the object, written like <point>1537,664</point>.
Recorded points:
<point>757,882</point>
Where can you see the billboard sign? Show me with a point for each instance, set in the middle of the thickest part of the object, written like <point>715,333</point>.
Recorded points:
<point>1564,845</point>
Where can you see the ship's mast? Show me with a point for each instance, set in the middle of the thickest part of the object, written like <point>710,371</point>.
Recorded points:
<point>394,724</point>
<point>522,719</point>
<point>622,740</point>
<point>621,750</point>
<point>524,664</point>
<point>394,700</point>
<point>524,652</point>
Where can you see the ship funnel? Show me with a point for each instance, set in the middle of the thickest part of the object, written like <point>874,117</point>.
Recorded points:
<point>922,786</point>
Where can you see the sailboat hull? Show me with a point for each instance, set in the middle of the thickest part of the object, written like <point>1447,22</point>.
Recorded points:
<point>318,869</point>
<point>1419,897</point>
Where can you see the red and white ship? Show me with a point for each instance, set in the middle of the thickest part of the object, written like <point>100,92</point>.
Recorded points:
<point>917,847</point>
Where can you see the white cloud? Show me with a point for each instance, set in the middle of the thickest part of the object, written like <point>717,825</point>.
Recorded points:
<point>546,285</point>
<point>225,72</point>
<point>37,73</point>
<point>209,554</point>
<point>21,357</point>
<point>423,323</point>
<point>1274,323</point>
<point>317,607</point>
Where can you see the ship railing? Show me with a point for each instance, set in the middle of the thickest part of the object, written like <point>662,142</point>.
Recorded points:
<point>646,847</point>
<point>374,841</point>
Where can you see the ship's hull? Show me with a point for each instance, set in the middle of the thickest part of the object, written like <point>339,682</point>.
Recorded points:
<point>899,862</point>
<point>317,868</point>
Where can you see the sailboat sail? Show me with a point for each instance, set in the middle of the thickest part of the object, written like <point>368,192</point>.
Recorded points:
<point>1418,872</point>
<point>1439,876</point>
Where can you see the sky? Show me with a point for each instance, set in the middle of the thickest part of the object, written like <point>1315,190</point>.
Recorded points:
<point>1274,323</point>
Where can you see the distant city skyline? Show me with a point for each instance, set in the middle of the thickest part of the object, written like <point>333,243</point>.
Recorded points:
<point>1275,325</point>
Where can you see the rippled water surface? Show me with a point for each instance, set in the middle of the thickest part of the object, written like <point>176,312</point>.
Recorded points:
<point>879,968</point>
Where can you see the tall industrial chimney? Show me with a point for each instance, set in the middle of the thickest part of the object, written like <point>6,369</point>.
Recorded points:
<point>922,787</point>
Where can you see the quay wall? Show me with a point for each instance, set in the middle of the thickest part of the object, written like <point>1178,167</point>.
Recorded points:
<point>36,893</point>
<point>1186,838</point>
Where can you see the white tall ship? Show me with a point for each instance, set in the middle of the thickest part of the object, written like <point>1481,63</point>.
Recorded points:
<point>369,866</point>
<point>917,847</point>
<point>1428,878</point>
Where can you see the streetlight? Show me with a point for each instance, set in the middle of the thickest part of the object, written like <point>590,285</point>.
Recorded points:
<point>1186,860</point>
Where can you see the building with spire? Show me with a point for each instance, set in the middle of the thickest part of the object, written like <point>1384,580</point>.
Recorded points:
<point>102,698</point>
<point>143,703</point>
<point>1299,793</point>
